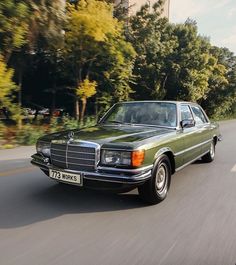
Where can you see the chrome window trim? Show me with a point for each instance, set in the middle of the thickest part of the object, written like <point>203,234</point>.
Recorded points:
<point>101,121</point>
<point>204,113</point>
<point>190,109</point>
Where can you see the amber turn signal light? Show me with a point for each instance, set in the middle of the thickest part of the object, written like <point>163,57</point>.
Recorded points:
<point>137,158</point>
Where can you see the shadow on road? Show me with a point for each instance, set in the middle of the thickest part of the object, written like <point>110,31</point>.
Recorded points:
<point>32,198</point>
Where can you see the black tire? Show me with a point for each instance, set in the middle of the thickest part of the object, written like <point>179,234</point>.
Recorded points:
<point>209,157</point>
<point>155,190</point>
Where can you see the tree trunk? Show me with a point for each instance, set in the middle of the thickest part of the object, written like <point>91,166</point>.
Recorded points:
<point>53,106</point>
<point>84,102</point>
<point>77,113</point>
<point>96,109</point>
<point>19,119</point>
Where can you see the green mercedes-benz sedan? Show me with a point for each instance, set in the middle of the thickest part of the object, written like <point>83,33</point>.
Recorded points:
<point>135,144</point>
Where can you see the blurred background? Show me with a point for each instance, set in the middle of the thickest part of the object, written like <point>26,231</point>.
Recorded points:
<point>64,63</point>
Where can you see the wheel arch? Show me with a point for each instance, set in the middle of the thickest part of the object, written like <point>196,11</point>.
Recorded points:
<point>215,139</point>
<point>169,153</point>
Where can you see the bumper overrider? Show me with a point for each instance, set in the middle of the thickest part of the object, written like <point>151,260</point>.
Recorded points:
<point>103,177</point>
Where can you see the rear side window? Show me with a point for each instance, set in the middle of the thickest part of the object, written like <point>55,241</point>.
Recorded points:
<point>199,116</point>
<point>186,113</point>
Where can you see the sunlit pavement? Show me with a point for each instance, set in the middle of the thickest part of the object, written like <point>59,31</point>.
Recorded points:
<point>42,222</point>
<point>20,152</point>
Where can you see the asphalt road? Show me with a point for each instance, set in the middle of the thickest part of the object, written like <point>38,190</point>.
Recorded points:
<point>42,222</point>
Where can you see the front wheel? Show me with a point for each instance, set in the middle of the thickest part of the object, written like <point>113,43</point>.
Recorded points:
<point>155,190</point>
<point>209,157</point>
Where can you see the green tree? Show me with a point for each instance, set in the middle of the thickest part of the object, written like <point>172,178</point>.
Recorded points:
<point>94,43</point>
<point>42,43</point>
<point>114,72</point>
<point>7,86</point>
<point>86,30</point>
<point>14,26</point>
<point>46,20</point>
<point>190,65</point>
<point>173,61</point>
<point>153,40</point>
<point>46,39</point>
<point>222,94</point>
<point>85,90</point>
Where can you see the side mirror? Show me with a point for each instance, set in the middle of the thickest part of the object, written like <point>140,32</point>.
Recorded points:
<point>187,123</point>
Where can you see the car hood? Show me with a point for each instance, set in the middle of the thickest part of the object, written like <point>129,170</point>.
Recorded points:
<point>115,134</point>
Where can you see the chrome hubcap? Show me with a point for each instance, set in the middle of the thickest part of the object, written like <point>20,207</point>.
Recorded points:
<point>161,177</point>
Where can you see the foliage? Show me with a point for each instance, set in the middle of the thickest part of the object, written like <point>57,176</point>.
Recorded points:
<point>28,135</point>
<point>191,64</point>
<point>86,31</point>
<point>143,57</point>
<point>221,98</point>
<point>7,86</point>
<point>70,123</point>
<point>96,49</point>
<point>153,40</point>
<point>86,89</point>
<point>2,129</point>
<point>14,26</point>
<point>174,62</point>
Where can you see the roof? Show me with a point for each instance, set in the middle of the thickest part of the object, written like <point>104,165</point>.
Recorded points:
<point>157,101</point>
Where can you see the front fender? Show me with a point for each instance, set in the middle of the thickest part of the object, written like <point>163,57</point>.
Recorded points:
<point>162,151</point>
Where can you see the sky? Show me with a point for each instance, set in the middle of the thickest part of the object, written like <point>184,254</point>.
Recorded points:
<point>216,19</point>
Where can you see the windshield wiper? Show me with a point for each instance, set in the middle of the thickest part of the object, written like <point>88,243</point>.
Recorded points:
<point>119,122</point>
<point>116,122</point>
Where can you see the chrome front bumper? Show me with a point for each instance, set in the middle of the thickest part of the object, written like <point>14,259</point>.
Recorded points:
<point>105,174</point>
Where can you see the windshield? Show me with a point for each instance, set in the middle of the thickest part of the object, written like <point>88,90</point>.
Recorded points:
<point>145,113</point>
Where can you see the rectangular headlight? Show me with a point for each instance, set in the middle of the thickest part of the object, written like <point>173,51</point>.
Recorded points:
<point>110,157</point>
<point>43,148</point>
<point>125,158</point>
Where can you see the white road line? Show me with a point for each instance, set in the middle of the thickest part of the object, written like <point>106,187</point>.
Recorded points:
<point>234,168</point>
<point>168,252</point>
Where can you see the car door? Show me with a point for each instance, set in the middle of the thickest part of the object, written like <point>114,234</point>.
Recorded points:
<point>203,126</point>
<point>191,136</point>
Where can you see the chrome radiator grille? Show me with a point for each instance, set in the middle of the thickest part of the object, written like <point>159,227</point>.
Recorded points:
<point>74,156</point>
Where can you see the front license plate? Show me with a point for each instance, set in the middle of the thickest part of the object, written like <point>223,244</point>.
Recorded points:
<point>66,177</point>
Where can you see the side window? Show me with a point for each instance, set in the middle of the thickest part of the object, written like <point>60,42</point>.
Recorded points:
<point>199,116</point>
<point>185,113</point>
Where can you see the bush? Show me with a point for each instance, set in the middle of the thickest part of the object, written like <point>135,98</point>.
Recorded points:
<point>90,121</point>
<point>54,126</point>
<point>2,130</point>
<point>29,135</point>
<point>69,123</point>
